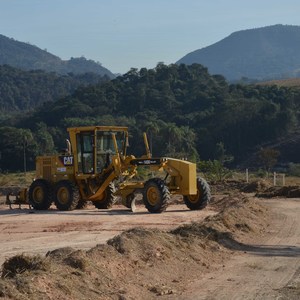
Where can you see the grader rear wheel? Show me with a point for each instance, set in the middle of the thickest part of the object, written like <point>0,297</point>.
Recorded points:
<point>108,198</point>
<point>66,195</point>
<point>201,199</point>
<point>40,194</point>
<point>156,195</point>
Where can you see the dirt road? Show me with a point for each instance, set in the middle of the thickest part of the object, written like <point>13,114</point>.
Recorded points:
<point>267,268</point>
<point>37,232</point>
<point>259,267</point>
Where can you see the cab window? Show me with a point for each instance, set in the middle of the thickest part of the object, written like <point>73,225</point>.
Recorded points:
<point>85,152</point>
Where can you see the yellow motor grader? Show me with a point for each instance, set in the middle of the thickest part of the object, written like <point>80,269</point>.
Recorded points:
<point>96,167</point>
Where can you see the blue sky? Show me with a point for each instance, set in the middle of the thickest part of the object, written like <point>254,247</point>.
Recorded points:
<point>136,33</point>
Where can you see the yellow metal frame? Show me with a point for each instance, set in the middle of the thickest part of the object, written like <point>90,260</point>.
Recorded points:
<point>181,175</point>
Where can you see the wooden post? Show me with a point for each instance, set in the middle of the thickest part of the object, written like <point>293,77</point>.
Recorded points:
<point>283,179</point>
<point>274,179</point>
<point>247,176</point>
<point>24,156</point>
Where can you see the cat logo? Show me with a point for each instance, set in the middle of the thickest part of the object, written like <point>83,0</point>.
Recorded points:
<point>67,160</point>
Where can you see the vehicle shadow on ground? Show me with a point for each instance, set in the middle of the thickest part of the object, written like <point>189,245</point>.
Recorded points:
<point>83,212</point>
<point>261,250</point>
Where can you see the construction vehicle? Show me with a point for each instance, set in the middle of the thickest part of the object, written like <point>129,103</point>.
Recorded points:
<point>95,167</point>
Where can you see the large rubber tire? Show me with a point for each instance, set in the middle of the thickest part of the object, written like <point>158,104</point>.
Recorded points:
<point>156,195</point>
<point>66,195</point>
<point>108,198</point>
<point>40,194</point>
<point>201,199</point>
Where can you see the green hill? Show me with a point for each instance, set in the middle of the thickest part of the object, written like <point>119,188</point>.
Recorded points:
<point>185,111</point>
<point>28,57</point>
<point>271,52</point>
<point>25,90</point>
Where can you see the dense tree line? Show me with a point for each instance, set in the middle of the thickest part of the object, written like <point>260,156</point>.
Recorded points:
<point>25,90</point>
<point>185,111</point>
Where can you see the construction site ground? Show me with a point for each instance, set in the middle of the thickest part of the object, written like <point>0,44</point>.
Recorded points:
<point>37,232</point>
<point>239,247</point>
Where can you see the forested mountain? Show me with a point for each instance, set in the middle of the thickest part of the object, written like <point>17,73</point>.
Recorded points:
<point>28,57</point>
<point>26,90</point>
<point>271,52</point>
<point>185,111</point>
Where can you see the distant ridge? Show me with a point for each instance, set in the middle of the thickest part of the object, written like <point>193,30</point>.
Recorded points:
<point>271,52</point>
<point>290,82</point>
<point>28,57</point>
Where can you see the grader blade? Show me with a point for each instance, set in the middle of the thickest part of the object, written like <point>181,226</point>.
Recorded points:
<point>133,205</point>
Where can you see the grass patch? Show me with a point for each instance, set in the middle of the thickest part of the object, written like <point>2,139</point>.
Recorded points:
<point>16,179</point>
<point>21,263</point>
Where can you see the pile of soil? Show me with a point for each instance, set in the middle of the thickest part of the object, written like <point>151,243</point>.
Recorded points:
<point>255,186</point>
<point>284,191</point>
<point>225,186</point>
<point>139,263</point>
<point>238,185</point>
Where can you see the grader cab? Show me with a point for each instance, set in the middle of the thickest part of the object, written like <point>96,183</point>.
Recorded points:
<point>96,167</point>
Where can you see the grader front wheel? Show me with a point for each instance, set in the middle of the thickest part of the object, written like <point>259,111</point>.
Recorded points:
<point>156,195</point>
<point>201,199</point>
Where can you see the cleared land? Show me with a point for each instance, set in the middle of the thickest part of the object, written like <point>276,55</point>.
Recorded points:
<point>239,247</point>
<point>37,232</point>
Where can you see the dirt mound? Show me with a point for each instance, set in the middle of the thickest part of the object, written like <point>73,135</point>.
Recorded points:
<point>276,191</point>
<point>239,215</point>
<point>225,186</point>
<point>255,186</point>
<point>140,263</point>
<point>222,203</point>
<point>21,263</point>
<point>61,253</point>
<point>262,188</point>
<point>239,185</point>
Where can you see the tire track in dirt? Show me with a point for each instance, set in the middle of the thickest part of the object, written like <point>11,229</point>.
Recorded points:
<point>260,268</point>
